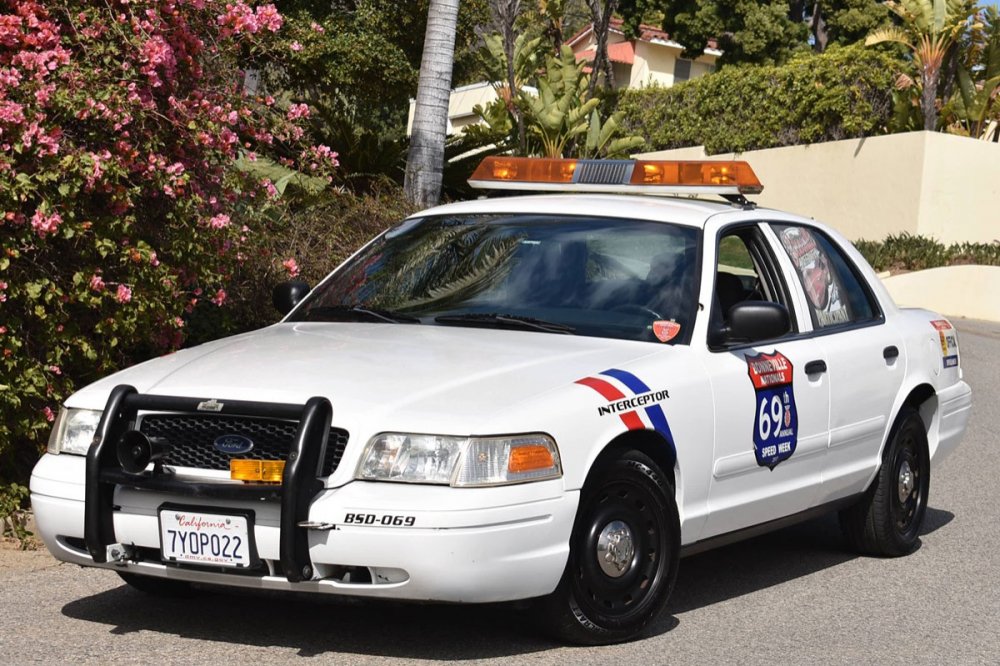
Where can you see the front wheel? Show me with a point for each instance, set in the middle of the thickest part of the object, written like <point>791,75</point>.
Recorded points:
<point>887,519</point>
<point>624,553</point>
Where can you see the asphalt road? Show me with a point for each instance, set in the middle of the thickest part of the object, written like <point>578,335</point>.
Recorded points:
<point>794,596</point>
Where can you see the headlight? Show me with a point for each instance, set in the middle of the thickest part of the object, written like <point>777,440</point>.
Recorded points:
<point>460,461</point>
<point>74,431</point>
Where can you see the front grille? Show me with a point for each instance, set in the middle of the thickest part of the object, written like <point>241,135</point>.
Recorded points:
<point>192,437</point>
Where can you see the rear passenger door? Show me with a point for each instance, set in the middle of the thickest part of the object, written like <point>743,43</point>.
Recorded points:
<point>771,413</point>
<point>861,349</point>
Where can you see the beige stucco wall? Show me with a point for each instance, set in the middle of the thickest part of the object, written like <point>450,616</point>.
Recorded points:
<point>653,64</point>
<point>963,291</point>
<point>938,185</point>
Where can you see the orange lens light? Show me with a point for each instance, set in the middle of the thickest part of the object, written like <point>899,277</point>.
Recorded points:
<point>525,170</point>
<point>697,174</point>
<point>652,176</point>
<point>263,471</point>
<point>529,458</point>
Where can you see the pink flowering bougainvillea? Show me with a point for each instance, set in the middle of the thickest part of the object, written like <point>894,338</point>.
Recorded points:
<point>121,207</point>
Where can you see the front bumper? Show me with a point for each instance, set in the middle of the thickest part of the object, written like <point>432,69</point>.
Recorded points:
<point>466,545</point>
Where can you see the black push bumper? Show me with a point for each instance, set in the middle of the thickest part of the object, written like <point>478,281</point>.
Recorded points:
<point>300,482</point>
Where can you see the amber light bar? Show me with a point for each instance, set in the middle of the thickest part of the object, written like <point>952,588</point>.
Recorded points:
<point>261,471</point>
<point>664,177</point>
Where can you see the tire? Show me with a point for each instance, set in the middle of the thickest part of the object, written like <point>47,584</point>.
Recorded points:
<point>158,587</point>
<point>886,521</point>
<point>626,500</point>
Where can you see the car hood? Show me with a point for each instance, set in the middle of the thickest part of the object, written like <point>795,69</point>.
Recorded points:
<point>408,376</point>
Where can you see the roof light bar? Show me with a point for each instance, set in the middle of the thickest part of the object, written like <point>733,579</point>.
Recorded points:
<point>663,177</point>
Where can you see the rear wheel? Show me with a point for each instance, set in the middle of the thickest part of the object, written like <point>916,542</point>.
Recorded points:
<point>887,520</point>
<point>623,555</point>
<point>157,587</point>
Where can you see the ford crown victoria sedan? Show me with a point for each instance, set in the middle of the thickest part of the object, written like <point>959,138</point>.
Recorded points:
<point>548,398</point>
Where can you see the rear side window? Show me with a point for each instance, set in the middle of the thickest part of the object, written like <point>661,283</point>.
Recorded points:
<point>836,293</point>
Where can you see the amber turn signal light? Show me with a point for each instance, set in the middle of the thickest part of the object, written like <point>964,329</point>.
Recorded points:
<point>529,458</point>
<point>260,471</point>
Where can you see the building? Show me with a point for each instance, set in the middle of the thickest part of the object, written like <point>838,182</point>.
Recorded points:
<point>652,59</point>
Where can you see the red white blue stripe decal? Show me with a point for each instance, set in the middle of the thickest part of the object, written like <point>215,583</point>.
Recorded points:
<point>632,419</point>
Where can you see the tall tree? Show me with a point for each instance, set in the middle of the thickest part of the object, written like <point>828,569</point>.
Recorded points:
<point>930,30</point>
<point>763,32</point>
<point>425,162</point>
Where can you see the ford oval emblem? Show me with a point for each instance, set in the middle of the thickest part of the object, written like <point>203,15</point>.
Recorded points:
<point>233,444</point>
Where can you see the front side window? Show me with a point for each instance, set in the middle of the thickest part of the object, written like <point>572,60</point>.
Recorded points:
<point>745,271</point>
<point>584,275</point>
<point>833,289</point>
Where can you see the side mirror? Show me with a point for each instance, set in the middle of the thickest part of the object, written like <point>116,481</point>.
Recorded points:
<point>289,294</point>
<point>751,321</point>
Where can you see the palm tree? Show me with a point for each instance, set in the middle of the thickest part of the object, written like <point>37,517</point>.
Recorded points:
<point>930,30</point>
<point>425,162</point>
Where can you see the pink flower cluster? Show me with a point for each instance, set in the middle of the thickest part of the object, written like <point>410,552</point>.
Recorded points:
<point>45,224</point>
<point>320,157</point>
<point>291,266</point>
<point>296,111</point>
<point>241,18</point>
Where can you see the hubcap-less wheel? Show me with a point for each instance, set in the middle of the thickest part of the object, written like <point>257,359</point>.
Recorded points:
<point>623,554</point>
<point>625,588</point>
<point>886,520</point>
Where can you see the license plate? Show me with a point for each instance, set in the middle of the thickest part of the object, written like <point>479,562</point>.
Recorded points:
<point>212,539</point>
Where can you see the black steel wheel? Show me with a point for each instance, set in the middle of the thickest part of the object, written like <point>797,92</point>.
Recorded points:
<point>887,520</point>
<point>623,554</point>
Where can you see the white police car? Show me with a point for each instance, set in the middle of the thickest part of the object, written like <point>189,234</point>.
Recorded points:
<point>549,397</point>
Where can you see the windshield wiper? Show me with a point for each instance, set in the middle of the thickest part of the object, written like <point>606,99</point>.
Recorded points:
<point>340,312</point>
<point>505,320</point>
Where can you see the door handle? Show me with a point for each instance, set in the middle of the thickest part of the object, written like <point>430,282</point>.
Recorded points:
<point>890,352</point>
<point>815,367</point>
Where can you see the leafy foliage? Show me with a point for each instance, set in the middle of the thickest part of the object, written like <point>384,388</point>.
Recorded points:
<point>562,119</point>
<point>13,499</point>
<point>749,31</point>
<point>908,252</point>
<point>842,93</point>
<point>931,30</point>
<point>120,205</point>
<point>975,104</point>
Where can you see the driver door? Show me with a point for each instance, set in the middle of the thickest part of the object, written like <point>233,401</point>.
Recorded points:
<point>771,397</point>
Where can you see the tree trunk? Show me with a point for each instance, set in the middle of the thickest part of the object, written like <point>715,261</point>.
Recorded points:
<point>601,17</point>
<point>928,98</point>
<point>505,13</point>
<point>817,26</point>
<point>425,162</point>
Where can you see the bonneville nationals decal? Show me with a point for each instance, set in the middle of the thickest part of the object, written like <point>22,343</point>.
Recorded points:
<point>776,422</point>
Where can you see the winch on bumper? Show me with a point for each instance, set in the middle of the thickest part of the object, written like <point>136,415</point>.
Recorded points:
<point>439,543</point>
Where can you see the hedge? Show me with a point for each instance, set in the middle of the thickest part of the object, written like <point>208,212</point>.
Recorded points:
<point>844,93</point>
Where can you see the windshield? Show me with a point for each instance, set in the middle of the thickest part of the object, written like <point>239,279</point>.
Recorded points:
<point>593,276</point>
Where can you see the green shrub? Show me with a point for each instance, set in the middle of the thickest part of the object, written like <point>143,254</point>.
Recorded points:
<point>306,242</point>
<point>844,93</point>
<point>13,499</point>
<point>914,253</point>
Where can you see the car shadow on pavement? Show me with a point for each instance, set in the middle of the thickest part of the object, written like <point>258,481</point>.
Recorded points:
<point>316,627</point>
<point>770,559</point>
